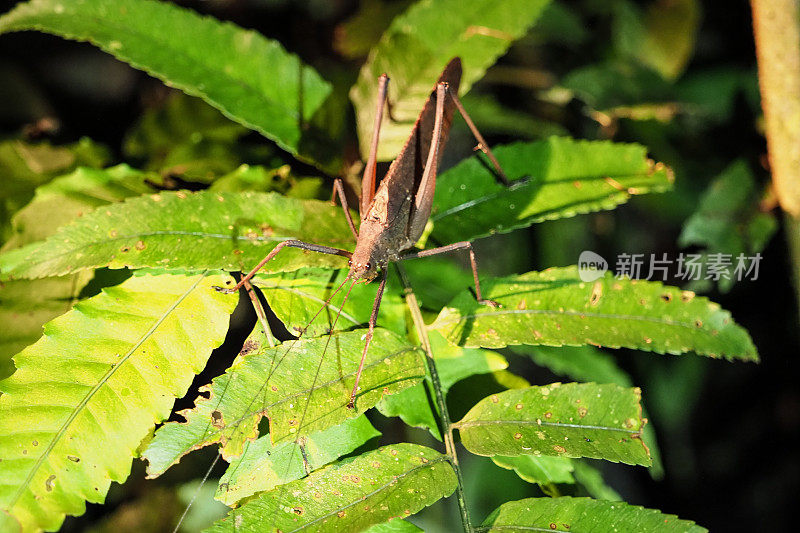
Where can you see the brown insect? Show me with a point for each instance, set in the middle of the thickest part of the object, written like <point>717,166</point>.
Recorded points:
<point>394,217</point>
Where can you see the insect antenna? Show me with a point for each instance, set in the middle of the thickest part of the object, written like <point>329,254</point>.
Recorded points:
<point>298,441</point>
<point>276,361</point>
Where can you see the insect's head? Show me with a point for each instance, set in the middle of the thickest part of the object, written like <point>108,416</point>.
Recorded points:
<point>364,271</point>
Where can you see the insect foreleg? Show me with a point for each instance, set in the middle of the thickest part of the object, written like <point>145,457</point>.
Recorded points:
<point>451,248</point>
<point>481,141</point>
<point>293,243</point>
<point>372,320</point>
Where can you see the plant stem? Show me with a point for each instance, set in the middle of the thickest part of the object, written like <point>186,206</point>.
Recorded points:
<point>777,34</point>
<point>776,27</point>
<point>446,427</point>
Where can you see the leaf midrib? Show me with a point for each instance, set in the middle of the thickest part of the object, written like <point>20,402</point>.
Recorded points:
<point>544,182</point>
<point>363,498</point>
<point>693,327</point>
<point>498,422</point>
<point>87,398</point>
<point>308,390</point>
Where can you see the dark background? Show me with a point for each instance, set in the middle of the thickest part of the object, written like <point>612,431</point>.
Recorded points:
<point>727,430</point>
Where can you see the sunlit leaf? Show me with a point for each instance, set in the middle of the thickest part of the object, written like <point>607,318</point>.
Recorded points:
<point>91,389</point>
<point>263,466</point>
<point>303,387</point>
<point>562,178</point>
<point>414,405</point>
<point>28,304</point>
<point>416,48</point>
<point>388,483</point>
<point>570,420</point>
<point>590,364</point>
<point>230,68</point>
<point>296,297</point>
<point>231,231</point>
<point>395,526</point>
<point>555,308</point>
<point>577,515</point>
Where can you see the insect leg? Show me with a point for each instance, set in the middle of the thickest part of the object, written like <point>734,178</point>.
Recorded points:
<point>481,141</point>
<point>294,244</point>
<point>451,248</point>
<point>372,320</point>
<point>368,181</point>
<point>338,190</point>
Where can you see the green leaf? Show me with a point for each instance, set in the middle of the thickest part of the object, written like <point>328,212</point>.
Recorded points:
<point>555,308</point>
<point>589,364</point>
<point>86,394</point>
<point>303,387</point>
<point>258,178</point>
<point>565,177</point>
<point>548,471</point>
<point>263,466</point>
<point>604,86</point>
<point>578,515</point>
<point>395,526</point>
<point>662,38</point>
<point>389,483</point>
<point>496,118</point>
<point>453,363</point>
<point>182,119</point>
<point>728,221</point>
<point>581,363</point>
<point>230,231</point>
<point>542,470</point>
<point>416,48</point>
<point>592,480</point>
<point>297,297</point>
<point>25,166</point>
<point>233,69</point>
<point>29,304</point>
<point>73,195</point>
<point>355,36</point>
<point>437,280</point>
<point>571,420</point>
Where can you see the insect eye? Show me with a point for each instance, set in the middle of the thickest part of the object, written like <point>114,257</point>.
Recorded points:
<point>369,265</point>
<point>349,262</point>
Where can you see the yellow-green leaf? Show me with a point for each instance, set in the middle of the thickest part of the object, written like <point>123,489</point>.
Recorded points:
<point>87,393</point>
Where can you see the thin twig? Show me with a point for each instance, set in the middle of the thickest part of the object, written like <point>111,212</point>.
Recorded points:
<point>446,427</point>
